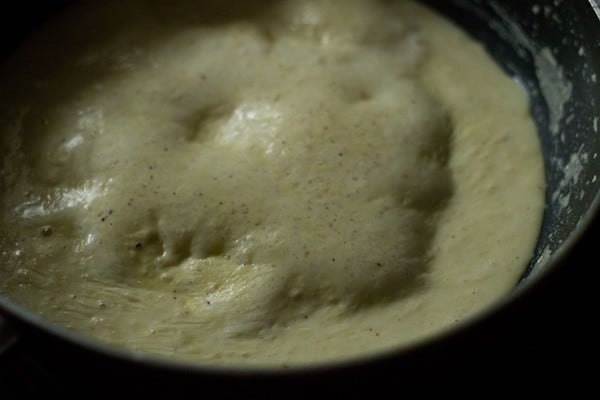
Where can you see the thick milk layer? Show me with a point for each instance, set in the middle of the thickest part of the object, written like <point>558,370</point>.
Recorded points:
<point>280,183</point>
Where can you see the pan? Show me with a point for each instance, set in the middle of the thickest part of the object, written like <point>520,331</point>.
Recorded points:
<point>552,49</point>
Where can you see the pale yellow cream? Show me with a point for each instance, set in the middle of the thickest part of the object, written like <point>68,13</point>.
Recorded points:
<point>271,183</point>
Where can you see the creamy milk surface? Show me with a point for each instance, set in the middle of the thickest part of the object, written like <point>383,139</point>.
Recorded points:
<point>274,183</point>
